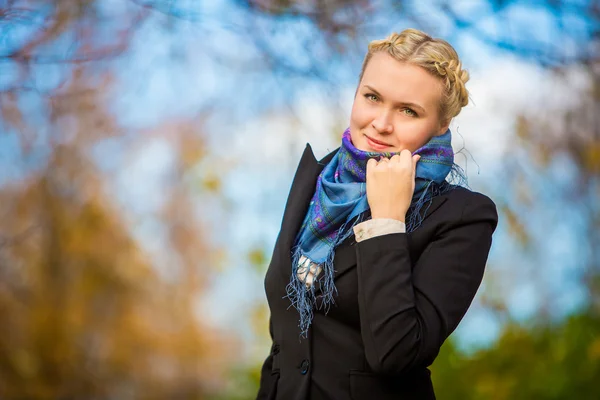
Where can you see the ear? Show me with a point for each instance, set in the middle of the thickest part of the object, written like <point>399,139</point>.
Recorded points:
<point>443,127</point>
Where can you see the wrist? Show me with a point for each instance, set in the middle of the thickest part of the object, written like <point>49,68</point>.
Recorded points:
<point>397,217</point>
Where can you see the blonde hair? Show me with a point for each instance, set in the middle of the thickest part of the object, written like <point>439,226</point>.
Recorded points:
<point>436,56</point>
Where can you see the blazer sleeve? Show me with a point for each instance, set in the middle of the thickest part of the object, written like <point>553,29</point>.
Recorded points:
<point>406,312</point>
<point>266,377</point>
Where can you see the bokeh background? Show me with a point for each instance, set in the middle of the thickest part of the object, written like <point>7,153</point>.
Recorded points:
<point>147,149</point>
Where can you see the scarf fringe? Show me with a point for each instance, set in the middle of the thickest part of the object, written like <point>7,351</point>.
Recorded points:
<point>419,207</point>
<point>302,297</point>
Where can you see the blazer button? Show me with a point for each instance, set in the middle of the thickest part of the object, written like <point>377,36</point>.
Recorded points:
<point>304,367</point>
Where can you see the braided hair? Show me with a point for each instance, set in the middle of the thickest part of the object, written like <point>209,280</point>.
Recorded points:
<point>436,56</point>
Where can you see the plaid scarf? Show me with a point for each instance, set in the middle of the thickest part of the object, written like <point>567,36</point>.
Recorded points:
<point>339,203</point>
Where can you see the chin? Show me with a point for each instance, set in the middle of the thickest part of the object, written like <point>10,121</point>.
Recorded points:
<point>364,146</point>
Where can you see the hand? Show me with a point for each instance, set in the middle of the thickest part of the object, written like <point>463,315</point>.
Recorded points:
<point>391,184</point>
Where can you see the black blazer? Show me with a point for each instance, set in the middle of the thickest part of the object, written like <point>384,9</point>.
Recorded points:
<point>399,297</point>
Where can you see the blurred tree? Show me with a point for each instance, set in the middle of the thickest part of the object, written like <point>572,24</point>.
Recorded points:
<point>45,43</point>
<point>280,41</point>
<point>570,27</point>
<point>556,157</point>
<point>85,312</point>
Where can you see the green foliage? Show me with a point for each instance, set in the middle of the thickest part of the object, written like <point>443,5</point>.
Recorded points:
<point>549,362</point>
<point>243,384</point>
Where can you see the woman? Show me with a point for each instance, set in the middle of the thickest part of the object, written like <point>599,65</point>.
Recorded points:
<point>378,257</point>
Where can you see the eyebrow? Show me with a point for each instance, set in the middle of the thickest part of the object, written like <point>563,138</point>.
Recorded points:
<point>413,105</point>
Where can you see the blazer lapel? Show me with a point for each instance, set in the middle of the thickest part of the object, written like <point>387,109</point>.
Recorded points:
<point>301,192</point>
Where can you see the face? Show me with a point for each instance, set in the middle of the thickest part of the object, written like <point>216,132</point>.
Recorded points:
<point>396,107</point>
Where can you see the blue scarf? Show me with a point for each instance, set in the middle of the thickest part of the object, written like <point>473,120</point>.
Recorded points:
<point>339,203</point>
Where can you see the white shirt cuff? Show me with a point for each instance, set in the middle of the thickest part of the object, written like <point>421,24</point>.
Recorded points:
<point>378,227</point>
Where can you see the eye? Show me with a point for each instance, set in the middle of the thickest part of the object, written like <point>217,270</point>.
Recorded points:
<point>371,97</point>
<point>409,111</point>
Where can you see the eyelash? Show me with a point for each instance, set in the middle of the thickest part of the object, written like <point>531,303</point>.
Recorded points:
<point>371,96</point>
<point>374,97</point>
<point>413,113</point>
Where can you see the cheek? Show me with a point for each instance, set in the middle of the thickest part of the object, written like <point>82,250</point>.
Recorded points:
<point>356,123</point>
<point>413,134</point>
<point>359,116</point>
<point>354,112</point>
<point>359,109</point>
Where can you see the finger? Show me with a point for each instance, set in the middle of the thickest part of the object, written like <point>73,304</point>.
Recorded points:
<point>405,157</point>
<point>416,159</point>
<point>371,163</point>
<point>395,158</point>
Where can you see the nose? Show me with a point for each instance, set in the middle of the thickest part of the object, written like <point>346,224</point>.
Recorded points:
<point>383,123</point>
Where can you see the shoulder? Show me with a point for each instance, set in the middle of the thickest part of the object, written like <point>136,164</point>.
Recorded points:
<point>471,206</point>
<point>465,196</point>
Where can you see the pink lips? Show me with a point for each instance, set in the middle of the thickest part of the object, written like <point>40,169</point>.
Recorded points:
<point>377,145</point>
